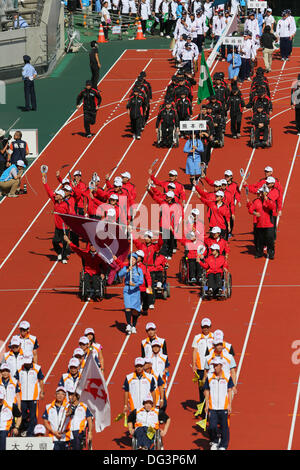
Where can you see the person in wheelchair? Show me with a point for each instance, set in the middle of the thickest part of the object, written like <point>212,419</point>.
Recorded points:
<point>215,266</point>
<point>94,270</point>
<point>262,100</point>
<point>192,244</point>
<point>144,423</point>
<point>166,123</point>
<point>215,237</point>
<point>261,123</point>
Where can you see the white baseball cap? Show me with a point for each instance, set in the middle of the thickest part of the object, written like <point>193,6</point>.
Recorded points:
<point>20,163</point>
<point>126,174</point>
<point>173,173</point>
<point>15,341</point>
<point>111,213</point>
<point>140,253</point>
<point>219,333</point>
<point>60,388</point>
<point>148,397</point>
<point>205,322</point>
<point>215,230</point>
<point>155,343</point>
<point>228,173</point>
<point>83,340</point>
<point>118,181</point>
<point>88,331</point>
<point>218,337</point>
<point>217,183</point>
<point>170,194</point>
<point>172,185</point>
<point>215,246</point>
<point>139,361</point>
<point>77,173</point>
<point>67,187</point>
<point>150,326</point>
<point>269,9</point>
<point>270,179</point>
<point>262,190</point>
<point>195,211</point>
<point>114,196</point>
<point>223,181</point>
<point>5,366</point>
<point>39,429</point>
<point>78,352</point>
<point>220,193</point>
<point>268,168</point>
<point>65,180</point>
<point>25,325</point>
<point>74,362</point>
<point>148,233</point>
<point>61,193</point>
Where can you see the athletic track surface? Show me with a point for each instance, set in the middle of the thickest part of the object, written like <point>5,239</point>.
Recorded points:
<point>261,318</point>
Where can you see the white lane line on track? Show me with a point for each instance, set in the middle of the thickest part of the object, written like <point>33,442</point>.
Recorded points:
<point>293,423</point>
<point>264,270</point>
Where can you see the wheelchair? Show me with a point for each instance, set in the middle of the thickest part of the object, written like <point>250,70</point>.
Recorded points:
<point>218,140</point>
<point>163,289</point>
<point>183,275</point>
<point>157,442</point>
<point>254,144</point>
<point>226,287</point>
<point>172,138</point>
<point>82,288</point>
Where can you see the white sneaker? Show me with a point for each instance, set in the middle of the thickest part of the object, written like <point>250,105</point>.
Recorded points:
<point>214,447</point>
<point>161,34</point>
<point>159,285</point>
<point>64,261</point>
<point>221,448</point>
<point>133,329</point>
<point>168,37</point>
<point>59,257</point>
<point>151,306</point>
<point>174,250</point>
<point>128,329</point>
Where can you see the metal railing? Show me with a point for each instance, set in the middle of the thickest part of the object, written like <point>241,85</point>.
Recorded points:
<point>15,18</point>
<point>87,22</point>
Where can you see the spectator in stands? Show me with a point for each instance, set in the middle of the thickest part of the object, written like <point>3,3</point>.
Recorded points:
<point>19,149</point>
<point>29,73</point>
<point>19,22</point>
<point>10,179</point>
<point>4,145</point>
<point>105,19</point>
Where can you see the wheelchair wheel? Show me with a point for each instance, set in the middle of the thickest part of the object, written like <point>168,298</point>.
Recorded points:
<point>221,144</point>
<point>175,138</point>
<point>252,138</point>
<point>183,271</point>
<point>270,138</point>
<point>159,136</point>
<point>228,285</point>
<point>164,294</point>
<point>134,443</point>
<point>81,290</point>
<point>168,290</point>
<point>203,286</point>
<point>157,441</point>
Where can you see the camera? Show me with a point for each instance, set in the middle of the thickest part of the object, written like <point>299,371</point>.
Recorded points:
<point>5,140</point>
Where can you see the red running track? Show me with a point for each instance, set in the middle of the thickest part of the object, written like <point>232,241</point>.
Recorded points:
<point>61,313</point>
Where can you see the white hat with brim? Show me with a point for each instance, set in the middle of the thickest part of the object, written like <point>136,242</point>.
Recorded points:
<point>139,361</point>
<point>268,168</point>
<point>150,326</point>
<point>25,325</point>
<point>83,340</point>
<point>60,192</point>
<point>148,233</point>
<point>205,322</point>
<point>5,366</point>
<point>20,163</point>
<point>89,331</point>
<point>126,174</point>
<point>74,362</point>
<point>173,173</point>
<point>215,246</point>
<point>114,196</point>
<point>39,429</point>
<point>15,341</point>
<point>271,180</point>
<point>228,173</point>
<point>215,230</point>
<point>155,343</point>
<point>220,193</point>
<point>77,173</point>
<point>170,194</point>
<point>140,253</point>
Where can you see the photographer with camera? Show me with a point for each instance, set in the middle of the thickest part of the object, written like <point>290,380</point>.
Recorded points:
<point>10,179</point>
<point>80,418</point>
<point>4,145</point>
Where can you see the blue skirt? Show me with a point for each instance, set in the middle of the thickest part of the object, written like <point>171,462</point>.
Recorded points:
<point>193,165</point>
<point>132,298</point>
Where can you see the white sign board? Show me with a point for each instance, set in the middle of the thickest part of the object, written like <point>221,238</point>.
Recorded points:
<point>116,30</point>
<point>31,137</point>
<point>233,41</point>
<point>192,125</point>
<point>29,443</point>
<point>256,4</point>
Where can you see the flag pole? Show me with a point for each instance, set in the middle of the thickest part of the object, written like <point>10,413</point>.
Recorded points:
<point>131,247</point>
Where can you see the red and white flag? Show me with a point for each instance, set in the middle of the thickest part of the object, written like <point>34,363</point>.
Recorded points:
<point>93,392</point>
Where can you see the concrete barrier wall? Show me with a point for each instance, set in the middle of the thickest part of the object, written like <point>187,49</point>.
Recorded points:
<point>43,43</point>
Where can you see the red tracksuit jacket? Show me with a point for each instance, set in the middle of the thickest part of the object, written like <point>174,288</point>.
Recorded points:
<point>61,207</point>
<point>214,265</point>
<point>266,209</point>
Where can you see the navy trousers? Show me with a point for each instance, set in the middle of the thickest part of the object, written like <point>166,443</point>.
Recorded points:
<point>30,98</point>
<point>219,417</point>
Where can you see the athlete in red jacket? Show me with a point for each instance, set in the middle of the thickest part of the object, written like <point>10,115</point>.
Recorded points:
<point>179,187</point>
<point>215,265</point>
<point>262,208</point>
<point>62,207</point>
<point>218,213</point>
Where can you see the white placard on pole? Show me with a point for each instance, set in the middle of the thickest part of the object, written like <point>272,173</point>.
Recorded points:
<point>192,125</point>
<point>31,137</point>
<point>29,443</point>
<point>255,4</point>
<point>233,41</point>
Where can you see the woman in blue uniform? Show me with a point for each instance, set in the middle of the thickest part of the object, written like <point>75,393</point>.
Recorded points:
<point>193,147</point>
<point>134,278</point>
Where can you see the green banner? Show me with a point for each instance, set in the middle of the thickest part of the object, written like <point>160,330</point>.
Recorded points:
<point>205,88</point>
